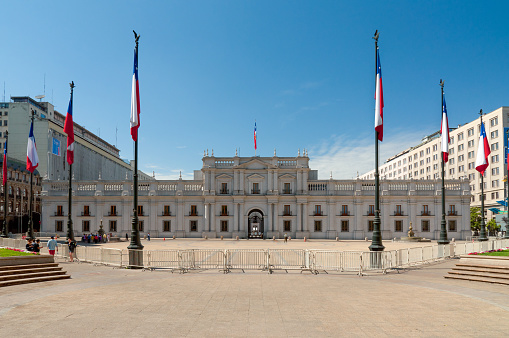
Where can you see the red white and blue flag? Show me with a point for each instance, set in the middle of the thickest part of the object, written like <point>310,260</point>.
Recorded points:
<point>4,165</point>
<point>69,130</point>
<point>255,136</point>
<point>444,130</point>
<point>379,100</point>
<point>135,99</point>
<point>32,158</point>
<point>483,151</point>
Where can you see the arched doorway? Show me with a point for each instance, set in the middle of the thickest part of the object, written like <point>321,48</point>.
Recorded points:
<point>255,224</point>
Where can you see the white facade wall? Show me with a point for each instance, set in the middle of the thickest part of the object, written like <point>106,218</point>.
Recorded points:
<point>286,194</point>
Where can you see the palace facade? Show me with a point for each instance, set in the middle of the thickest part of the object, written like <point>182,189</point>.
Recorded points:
<point>259,197</point>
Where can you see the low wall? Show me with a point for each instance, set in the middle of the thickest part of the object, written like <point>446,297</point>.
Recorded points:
<point>23,260</point>
<point>484,260</point>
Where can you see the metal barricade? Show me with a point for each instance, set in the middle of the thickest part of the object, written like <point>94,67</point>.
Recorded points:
<point>209,259</point>
<point>246,259</point>
<point>281,259</point>
<point>162,259</point>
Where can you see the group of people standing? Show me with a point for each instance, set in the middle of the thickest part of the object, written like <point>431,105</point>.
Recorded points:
<point>95,238</point>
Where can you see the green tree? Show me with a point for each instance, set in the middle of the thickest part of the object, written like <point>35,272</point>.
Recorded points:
<point>475,219</point>
<point>492,227</point>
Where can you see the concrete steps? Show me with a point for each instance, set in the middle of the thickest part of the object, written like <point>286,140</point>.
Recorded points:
<point>480,272</point>
<point>30,273</point>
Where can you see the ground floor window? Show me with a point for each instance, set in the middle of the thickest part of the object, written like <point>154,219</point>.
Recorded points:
<point>140,225</point>
<point>345,227</point>
<point>193,225</point>
<point>113,226</point>
<point>452,225</point>
<point>167,226</point>
<point>398,226</point>
<point>86,226</point>
<point>318,226</point>
<point>224,226</point>
<point>287,226</point>
<point>425,225</point>
<point>370,226</point>
<point>59,225</point>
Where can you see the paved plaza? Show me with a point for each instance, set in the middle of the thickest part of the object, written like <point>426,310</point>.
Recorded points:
<point>106,301</point>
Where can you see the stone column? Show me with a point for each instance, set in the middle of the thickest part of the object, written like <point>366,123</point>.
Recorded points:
<point>305,217</point>
<point>213,217</point>
<point>298,213</point>
<point>235,216</point>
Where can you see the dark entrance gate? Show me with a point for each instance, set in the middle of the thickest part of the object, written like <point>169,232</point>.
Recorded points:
<point>255,224</point>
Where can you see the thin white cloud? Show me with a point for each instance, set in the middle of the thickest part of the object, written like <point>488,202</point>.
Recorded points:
<point>174,175</point>
<point>346,157</point>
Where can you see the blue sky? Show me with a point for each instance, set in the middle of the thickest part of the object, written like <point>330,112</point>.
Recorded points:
<point>304,70</point>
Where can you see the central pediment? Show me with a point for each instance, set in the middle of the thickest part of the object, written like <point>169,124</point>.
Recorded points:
<point>255,177</point>
<point>256,164</point>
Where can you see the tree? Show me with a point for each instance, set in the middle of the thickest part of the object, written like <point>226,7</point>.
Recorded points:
<point>475,219</point>
<point>492,227</point>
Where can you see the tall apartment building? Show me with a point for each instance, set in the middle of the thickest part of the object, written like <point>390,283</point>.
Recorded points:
<point>94,158</point>
<point>423,161</point>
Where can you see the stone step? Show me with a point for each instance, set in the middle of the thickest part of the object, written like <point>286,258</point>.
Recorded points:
<point>32,280</point>
<point>482,270</point>
<point>478,279</point>
<point>498,267</point>
<point>31,275</point>
<point>480,274</point>
<point>27,266</point>
<point>24,271</point>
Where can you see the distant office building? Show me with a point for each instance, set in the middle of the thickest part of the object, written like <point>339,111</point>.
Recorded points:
<point>258,197</point>
<point>423,161</point>
<point>94,158</point>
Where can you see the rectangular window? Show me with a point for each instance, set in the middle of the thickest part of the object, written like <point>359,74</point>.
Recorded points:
<point>460,136</point>
<point>460,147</point>
<point>113,210</point>
<point>113,226</point>
<point>193,211</point>
<point>452,225</point>
<point>318,210</point>
<point>461,158</point>
<point>345,227</point>
<point>452,210</point>
<point>86,210</point>
<point>425,225</point>
<point>287,225</point>
<point>86,226</point>
<point>286,188</point>
<point>224,188</point>
<point>140,225</point>
<point>166,210</point>
<point>435,147</point>
<point>398,210</point>
<point>256,188</point>
<point>494,121</point>
<point>494,146</point>
<point>140,210</point>
<point>425,210</point>
<point>494,134</point>
<point>370,226</point>
<point>470,143</point>
<point>59,225</point>
<point>224,210</point>
<point>344,210</point>
<point>224,226</point>
<point>287,211</point>
<point>398,226</point>
<point>470,132</point>
<point>318,226</point>
<point>495,184</point>
<point>494,159</point>
<point>167,226</point>
<point>5,123</point>
<point>60,209</point>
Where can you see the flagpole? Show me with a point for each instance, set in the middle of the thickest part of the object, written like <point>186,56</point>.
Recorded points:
<point>135,256</point>
<point>70,231</point>
<point>376,241</point>
<point>443,228</point>
<point>30,220</point>
<point>482,236</point>
<point>4,228</point>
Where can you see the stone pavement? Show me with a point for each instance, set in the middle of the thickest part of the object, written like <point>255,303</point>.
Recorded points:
<point>104,301</point>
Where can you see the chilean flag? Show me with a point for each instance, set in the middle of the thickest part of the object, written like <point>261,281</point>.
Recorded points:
<point>69,130</point>
<point>481,162</point>
<point>4,166</point>
<point>135,99</point>
<point>444,130</point>
<point>379,100</point>
<point>255,136</point>
<point>32,158</point>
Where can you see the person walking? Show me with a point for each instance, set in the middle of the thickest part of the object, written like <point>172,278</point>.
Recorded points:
<point>72,247</point>
<point>286,238</point>
<point>148,236</point>
<point>52,245</point>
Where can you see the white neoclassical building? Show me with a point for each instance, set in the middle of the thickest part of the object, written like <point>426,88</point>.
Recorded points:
<point>259,196</point>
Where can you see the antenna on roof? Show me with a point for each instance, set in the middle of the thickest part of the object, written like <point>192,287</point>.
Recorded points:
<point>40,97</point>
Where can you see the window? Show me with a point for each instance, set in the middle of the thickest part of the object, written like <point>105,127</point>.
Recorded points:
<point>287,211</point>
<point>451,161</point>
<point>425,225</point>
<point>470,132</point>
<point>86,226</point>
<point>415,156</point>
<point>435,147</point>
<point>470,143</point>
<point>460,136</point>
<point>371,210</point>
<point>344,210</point>
<point>452,140</point>
<point>224,188</point>
<point>494,134</point>
<point>286,188</point>
<point>370,226</point>
<point>60,210</point>
<point>461,147</point>
<point>427,150</point>
<point>494,146</point>
<point>461,158</point>
<point>86,210</point>
<point>398,210</point>
<point>287,225</point>
<point>167,226</point>
<point>224,210</point>
<point>398,226</point>
<point>59,225</point>
<point>166,210</point>
<point>318,226</point>
<point>451,171</point>
<point>495,184</point>
<point>421,153</point>
<point>256,188</point>
<point>345,226</point>
<point>193,211</point>
<point>113,226</point>
<point>471,154</point>
<point>224,226</point>
<point>140,210</point>
<point>318,210</point>
<point>435,157</point>
<point>451,151</point>
<point>494,159</point>
<point>452,225</point>
<point>461,168</point>
<point>494,121</point>
<point>421,162</point>
<point>113,210</point>
<point>494,171</point>
<point>494,195</point>
<point>425,210</point>
<point>5,123</point>
<point>140,225</point>
<point>452,210</point>
<point>471,165</point>
<point>193,226</point>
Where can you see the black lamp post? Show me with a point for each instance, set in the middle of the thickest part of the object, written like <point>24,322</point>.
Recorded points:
<point>482,236</point>
<point>443,228</point>
<point>4,225</point>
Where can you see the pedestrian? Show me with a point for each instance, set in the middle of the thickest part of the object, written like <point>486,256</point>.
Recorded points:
<point>72,246</point>
<point>52,245</point>
<point>37,246</point>
<point>148,236</point>
<point>286,238</point>
<point>126,236</point>
<point>29,246</point>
